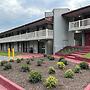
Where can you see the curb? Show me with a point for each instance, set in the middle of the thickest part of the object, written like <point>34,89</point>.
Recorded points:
<point>9,85</point>
<point>87,87</point>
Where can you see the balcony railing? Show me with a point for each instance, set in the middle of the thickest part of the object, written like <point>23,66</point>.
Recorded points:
<point>37,35</point>
<point>79,25</point>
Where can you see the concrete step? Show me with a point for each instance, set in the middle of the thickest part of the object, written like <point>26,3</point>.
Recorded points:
<point>78,58</point>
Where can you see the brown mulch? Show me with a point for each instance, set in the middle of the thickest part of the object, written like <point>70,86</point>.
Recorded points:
<point>79,82</point>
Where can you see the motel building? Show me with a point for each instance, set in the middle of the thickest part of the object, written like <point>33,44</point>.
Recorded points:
<point>59,28</point>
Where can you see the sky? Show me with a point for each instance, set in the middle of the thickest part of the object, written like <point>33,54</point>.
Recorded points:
<point>14,13</point>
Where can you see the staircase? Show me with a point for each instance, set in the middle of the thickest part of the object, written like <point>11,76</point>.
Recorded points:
<point>78,55</point>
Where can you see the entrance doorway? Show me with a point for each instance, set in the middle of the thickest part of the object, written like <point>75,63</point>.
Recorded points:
<point>24,46</point>
<point>78,39</point>
<point>87,39</point>
<point>41,47</point>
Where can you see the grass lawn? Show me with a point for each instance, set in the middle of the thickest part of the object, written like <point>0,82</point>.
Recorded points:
<point>6,54</point>
<point>87,55</point>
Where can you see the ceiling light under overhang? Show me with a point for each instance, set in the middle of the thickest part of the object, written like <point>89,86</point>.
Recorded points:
<point>77,31</point>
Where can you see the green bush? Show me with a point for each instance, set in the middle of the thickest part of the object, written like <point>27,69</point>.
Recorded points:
<point>18,60</point>
<point>35,77</point>
<point>60,59</point>
<point>51,82</point>
<point>25,68</point>
<point>11,60</point>
<point>42,59</point>
<point>69,73</point>
<point>84,65</point>
<point>32,59</point>
<point>45,55</point>
<point>77,69</point>
<point>61,65</point>
<point>39,63</point>
<point>63,60</point>
<point>51,70</point>
<point>28,61</point>
<point>7,66</point>
<point>3,62</point>
<point>50,57</point>
<point>22,59</point>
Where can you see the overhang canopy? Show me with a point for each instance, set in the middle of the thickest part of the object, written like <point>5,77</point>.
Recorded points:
<point>77,12</point>
<point>42,21</point>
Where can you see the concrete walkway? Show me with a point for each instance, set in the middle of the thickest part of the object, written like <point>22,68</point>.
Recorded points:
<point>3,58</point>
<point>29,55</point>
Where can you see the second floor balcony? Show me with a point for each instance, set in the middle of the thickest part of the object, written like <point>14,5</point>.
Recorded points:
<point>79,25</point>
<point>37,35</point>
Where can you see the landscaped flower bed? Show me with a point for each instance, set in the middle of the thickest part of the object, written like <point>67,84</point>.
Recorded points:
<point>46,74</point>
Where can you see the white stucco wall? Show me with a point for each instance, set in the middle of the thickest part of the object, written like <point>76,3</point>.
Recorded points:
<point>83,39</point>
<point>4,45</point>
<point>60,29</point>
<point>20,47</point>
<point>49,47</point>
<point>15,47</point>
<point>71,41</point>
<point>0,47</point>
<point>35,46</point>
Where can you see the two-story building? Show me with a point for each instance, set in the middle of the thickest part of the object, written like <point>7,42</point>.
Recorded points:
<point>35,37</point>
<point>57,29</point>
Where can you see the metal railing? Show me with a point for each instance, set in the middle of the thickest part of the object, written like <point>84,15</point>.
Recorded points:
<point>79,25</point>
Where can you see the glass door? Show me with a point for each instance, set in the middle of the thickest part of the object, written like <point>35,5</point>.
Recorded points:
<point>41,47</point>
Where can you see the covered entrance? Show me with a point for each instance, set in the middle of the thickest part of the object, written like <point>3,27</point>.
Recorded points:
<point>78,39</point>
<point>87,39</point>
<point>41,47</point>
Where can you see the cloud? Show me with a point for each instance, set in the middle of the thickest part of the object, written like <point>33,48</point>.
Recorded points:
<point>17,12</point>
<point>14,9</point>
<point>48,1</point>
<point>74,4</point>
<point>13,13</point>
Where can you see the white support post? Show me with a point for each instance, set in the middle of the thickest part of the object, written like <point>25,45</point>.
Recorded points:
<point>35,34</point>
<point>79,23</point>
<point>46,33</point>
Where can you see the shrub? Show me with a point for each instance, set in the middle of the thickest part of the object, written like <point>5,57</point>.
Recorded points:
<point>39,62</point>
<point>63,60</point>
<point>69,73</point>
<point>35,77</point>
<point>18,60</point>
<point>60,59</point>
<point>24,68</point>
<point>7,66</point>
<point>51,82</point>
<point>22,59</point>
<point>3,62</point>
<point>84,65</point>
<point>32,59</point>
<point>42,59</point>
<point>51,70</point>
<point>28,61</point>
<point>45,55</point>
<point>11,60</point>
<point>77,69</point>
<point>61,65</point>
<point>50,57</point>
